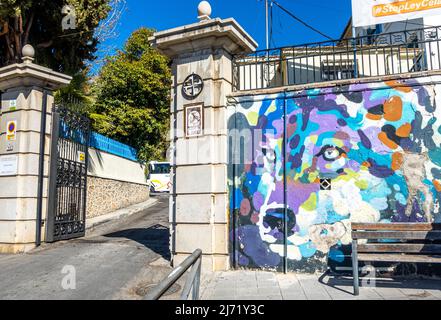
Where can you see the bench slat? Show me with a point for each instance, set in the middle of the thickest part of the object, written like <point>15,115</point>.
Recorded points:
<point>399,258</point>
<point>405,235</point>
<point>400,248</point>
<point>396,226</point>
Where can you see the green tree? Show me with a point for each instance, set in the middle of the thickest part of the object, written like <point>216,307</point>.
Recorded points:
<point>39,22</point>
<point>133,97</point>
<point>78,96</point>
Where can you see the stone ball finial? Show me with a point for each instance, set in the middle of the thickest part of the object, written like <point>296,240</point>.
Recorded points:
<point>28,51</point>
<point>204,10</point>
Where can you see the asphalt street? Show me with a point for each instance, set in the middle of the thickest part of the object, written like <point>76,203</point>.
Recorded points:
<point>117,260</point>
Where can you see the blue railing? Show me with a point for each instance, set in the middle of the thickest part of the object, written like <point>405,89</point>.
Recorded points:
<point>100,142</point>
<point>111,146</point>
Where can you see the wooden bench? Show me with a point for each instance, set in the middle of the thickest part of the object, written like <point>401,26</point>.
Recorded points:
<point>406,243</point>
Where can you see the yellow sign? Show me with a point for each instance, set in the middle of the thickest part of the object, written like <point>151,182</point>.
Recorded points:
<point>11,130</point>
<point>81,157</point>
<point>403,7</point>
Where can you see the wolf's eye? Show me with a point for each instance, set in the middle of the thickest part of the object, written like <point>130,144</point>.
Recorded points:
<point>330,153</point>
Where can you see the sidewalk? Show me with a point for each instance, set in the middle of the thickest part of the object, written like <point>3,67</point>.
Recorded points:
<point>259,285</point>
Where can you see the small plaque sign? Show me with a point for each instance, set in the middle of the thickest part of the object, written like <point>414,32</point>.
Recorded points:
<point>194,121</point>
<point>81,157</point>
<point>8,165</point>
<point>12,105</point>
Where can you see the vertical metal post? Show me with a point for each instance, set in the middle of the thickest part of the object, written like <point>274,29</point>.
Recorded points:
<point>355,51</point>
<point>355,267</point>
<point>41,170</point>
<point>267,45</point>
<point>234,153</point>
<point>197,279</point>
<point>267,23</point>
<point>285,186</point>
<point>86,168</point>
<point>52,196</point>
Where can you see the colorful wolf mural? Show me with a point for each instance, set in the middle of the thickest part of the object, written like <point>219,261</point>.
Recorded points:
<point>379,145</point>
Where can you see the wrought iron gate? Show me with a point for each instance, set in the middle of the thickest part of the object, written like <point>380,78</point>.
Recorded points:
<point>68,175</point>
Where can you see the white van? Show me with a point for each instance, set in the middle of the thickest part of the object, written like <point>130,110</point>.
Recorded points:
<point>159,176</point>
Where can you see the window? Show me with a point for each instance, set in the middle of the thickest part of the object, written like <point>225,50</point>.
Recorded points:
<point>372,34</point>
<point>160,168</point>
<point>337,70</point>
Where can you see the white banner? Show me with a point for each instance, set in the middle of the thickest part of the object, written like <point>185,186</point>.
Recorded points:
<point>372,12</point>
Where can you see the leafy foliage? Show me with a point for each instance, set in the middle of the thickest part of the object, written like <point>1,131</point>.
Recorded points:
<point>133,97</point>
<point>78,95</point>
<point>38,22</point>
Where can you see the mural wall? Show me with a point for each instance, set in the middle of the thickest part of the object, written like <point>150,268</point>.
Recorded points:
<point>378,144</point>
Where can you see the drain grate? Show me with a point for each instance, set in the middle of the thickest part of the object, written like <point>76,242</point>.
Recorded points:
<point>144,289</point>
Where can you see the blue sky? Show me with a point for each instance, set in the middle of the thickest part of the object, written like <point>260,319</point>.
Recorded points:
<point>329,16</point>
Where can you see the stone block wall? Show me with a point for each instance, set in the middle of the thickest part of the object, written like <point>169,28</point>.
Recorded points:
<point>113,183</point>
<point>106,195</point>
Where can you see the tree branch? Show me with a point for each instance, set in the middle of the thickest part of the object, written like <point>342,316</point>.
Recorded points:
<point>46,44</point>
<point>17,36</point>
<point>8,45</point>
<point>28,28</point>
<point>5,28</point>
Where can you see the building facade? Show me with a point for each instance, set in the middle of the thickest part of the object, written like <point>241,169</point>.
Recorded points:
<point>277,152</point>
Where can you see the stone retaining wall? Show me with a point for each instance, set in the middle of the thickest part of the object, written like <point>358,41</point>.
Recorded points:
<point>105,196</point>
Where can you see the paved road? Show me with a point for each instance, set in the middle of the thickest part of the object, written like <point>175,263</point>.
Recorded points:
<point>118,260</point>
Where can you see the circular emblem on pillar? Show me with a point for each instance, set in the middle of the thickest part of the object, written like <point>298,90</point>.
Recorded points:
<point>192,87</point>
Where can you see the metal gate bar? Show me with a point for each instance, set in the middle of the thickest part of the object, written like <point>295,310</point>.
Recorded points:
<point>68,175</point>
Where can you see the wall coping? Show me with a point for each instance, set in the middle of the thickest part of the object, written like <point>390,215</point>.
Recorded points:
<point>335,83</point>
<point>213,33</point>
<point>91,175</point>
<point>30,74</point>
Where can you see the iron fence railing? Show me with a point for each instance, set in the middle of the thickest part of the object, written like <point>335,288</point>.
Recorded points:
<point>192,283</point>
<point>367,56</point>
<point>111,146</point>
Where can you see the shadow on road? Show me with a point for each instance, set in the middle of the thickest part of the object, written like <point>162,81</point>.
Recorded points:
<point>156,238</point>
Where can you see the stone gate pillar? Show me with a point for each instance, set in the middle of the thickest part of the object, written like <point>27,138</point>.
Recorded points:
<point>25,88</point>
<point>201,55</point>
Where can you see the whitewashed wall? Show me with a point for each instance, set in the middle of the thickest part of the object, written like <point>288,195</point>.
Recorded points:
<point>109,166</point>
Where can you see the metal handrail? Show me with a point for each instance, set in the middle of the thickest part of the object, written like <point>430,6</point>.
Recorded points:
<point>384,54</point>
<point>193,281</point>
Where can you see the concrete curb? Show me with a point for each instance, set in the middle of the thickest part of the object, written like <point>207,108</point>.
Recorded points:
<point>119,214</point>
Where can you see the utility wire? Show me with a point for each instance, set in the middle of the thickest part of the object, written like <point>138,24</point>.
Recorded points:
<point>271,25</point>
<point>301,21</point>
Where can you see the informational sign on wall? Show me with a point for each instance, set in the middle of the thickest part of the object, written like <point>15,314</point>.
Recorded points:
<point>194,121</point>
<point>12,105</point>
<point>372,12</point>
<point>11,130</point>
<point>8,165</point>
<point>81,157</point>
